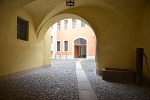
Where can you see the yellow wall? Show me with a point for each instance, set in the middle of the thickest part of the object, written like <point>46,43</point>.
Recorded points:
<point>47,48</point>
<point>144,37</point>
<point>18,55</point>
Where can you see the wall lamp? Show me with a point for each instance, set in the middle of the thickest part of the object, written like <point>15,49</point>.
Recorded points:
<point>70,3</point>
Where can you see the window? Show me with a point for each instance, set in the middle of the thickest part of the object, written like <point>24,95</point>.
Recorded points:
<point>80,41</point>
<point>82,24</point>
<point>65,45</point>
<point>51,39</point>
<point>52,27</point>
<point>73,23</point>
<point>65,24</point>
<point>58,25</point>
<point>22,29</point>
<point>58,45</point>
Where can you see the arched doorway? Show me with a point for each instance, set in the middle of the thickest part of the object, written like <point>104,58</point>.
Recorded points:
<point>80,48</point>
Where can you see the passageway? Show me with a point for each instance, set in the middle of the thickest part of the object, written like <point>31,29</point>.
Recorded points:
<point>66,80</point>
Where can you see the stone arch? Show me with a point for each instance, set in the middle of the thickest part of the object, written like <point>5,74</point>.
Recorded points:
<point>56,18</point>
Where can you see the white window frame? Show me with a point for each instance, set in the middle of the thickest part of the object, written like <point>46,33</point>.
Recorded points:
<point>74,23</point>
<point>58,29</point>
<point>65,24</point>
<point>60,46</point>
<point>52,39</point>
<point>84,24</point>
<point>64,46</point>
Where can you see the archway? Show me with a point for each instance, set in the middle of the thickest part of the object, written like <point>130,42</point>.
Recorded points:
<point>59,17</point>
<point>60,36</point>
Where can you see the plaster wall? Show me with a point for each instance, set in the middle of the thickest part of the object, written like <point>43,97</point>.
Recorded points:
<point>47,48</point>
<point>144,37</point>
<point>18,55</point>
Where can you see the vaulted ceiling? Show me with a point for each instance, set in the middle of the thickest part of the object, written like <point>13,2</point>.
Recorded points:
<point>42,10</point>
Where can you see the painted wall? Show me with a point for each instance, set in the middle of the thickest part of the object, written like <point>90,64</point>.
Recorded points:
<point>18,55</point>
<point>73,33</point>
<point>47,48</point>
<point>53,41</point>
<point>144,37</point>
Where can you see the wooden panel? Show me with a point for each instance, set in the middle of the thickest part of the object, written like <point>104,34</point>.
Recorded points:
<point>76,51</point>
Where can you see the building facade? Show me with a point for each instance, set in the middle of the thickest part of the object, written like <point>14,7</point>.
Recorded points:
<point>53,31</point>
<point>74,39</point>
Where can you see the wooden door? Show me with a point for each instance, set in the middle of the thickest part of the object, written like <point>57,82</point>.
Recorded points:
<point>76,51</point>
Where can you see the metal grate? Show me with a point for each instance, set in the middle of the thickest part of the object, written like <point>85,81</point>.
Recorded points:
<point>22,29</point>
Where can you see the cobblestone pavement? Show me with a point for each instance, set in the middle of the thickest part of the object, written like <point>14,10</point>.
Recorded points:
<point>113,91</point>
<point>58,82</point>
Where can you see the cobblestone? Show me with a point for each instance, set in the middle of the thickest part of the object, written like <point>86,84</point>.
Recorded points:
<point>113,91</point>
<point>58,82</point>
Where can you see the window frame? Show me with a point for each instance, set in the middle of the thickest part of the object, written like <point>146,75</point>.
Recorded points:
<point>74,21</point>
<point>52,39</point>
<point>83,24</point>
<point>64,46</point>
<point>59,25</point>
<point>65,24</point>
<point>59,46</point>
<point>26,38</point>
